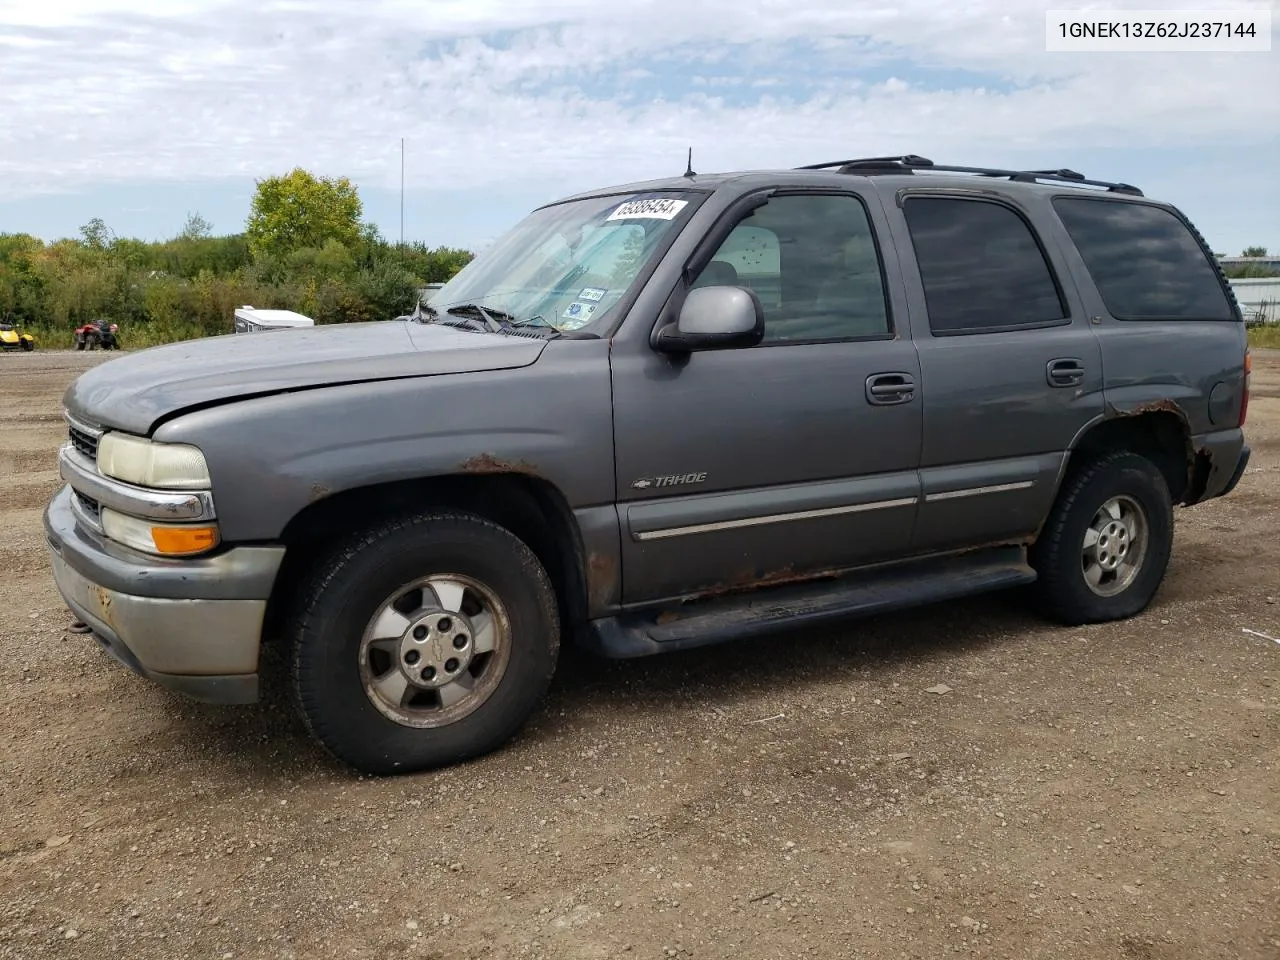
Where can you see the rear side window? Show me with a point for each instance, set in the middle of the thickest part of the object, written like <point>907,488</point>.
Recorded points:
<point>1144,261</point>
<point>982,267</point>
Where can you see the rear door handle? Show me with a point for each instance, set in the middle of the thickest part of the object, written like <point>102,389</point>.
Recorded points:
<point>1065,372</point>
<point>886,389</point>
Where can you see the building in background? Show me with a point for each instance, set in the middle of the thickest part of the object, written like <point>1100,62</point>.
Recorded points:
<point>1268,263</point>
<point>1259,298</point>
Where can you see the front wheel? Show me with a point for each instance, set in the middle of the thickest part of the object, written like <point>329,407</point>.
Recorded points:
<point>1105,547</point>
<point>424,642</point>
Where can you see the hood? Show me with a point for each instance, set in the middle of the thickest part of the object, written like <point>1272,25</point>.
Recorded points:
<point>136,390</point>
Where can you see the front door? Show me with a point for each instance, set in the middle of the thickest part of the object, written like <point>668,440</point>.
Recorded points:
<point>798,455</point>
<point>1011,367</point>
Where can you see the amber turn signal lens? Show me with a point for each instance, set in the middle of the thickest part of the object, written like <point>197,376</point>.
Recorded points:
<point>184,540</point>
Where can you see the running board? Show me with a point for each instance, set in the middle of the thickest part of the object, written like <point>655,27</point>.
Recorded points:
<point>698,623</point>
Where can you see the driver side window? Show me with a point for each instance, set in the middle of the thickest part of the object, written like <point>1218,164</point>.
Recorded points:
<point>813,262</point>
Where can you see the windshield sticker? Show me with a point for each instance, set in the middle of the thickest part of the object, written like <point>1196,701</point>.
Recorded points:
<point>656,209</point>
<point>594,294</point>
<point>577,314</point>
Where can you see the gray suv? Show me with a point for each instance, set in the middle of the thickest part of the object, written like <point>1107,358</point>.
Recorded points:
<point>655,417</point>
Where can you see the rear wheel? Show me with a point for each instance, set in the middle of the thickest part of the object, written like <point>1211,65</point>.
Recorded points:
<point>426,641</point>
<point>28,345</point>
<point>1104,550</point>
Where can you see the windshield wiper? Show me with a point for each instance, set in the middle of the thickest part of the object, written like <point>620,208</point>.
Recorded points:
<point>538,321</point>
<point>490,315</point>
<point>426,313</point>
<point>499,321</point>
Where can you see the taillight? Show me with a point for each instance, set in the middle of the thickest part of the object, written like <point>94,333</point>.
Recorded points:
<point>1248,376</point>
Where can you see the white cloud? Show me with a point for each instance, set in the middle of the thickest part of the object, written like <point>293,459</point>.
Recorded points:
<point>95,91</point>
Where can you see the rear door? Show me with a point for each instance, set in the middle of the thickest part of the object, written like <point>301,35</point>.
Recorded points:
<point>1010,366</point>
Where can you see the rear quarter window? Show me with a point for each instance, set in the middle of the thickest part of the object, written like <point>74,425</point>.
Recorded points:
<point>1145,262</point>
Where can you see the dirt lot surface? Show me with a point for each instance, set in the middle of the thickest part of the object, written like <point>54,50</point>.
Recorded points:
<point>1109,792</point>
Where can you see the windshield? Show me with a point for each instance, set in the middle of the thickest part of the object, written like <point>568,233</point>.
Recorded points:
<point>566,265</point>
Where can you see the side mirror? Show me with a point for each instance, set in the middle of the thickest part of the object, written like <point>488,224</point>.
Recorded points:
<point>714,318</point>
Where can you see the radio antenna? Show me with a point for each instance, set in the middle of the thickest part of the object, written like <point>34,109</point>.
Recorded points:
<point>689,168</point>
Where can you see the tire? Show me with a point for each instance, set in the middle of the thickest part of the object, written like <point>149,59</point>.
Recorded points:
<point>28,345</point>
<point>1066,562</point>
<point>345,680</point>
<point>79,343</point>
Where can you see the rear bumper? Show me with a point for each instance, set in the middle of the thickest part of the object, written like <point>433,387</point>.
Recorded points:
<point>193,626</point>
<point>1221,458</point>
<point>1241,466</point>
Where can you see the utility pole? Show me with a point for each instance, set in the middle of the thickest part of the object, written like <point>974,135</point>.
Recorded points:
<point>402,195</point>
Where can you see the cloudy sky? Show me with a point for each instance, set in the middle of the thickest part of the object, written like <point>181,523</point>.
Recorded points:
<point>139,111</point>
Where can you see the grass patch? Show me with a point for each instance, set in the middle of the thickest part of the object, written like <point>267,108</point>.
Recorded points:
<point>1265,336</point>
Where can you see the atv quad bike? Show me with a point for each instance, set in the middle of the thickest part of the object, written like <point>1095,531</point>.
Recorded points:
<point>13,339</point>
<point>96,334</point>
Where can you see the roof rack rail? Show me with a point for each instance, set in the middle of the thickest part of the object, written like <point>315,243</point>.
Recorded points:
<point>888,163</point>
<point>910,163</point>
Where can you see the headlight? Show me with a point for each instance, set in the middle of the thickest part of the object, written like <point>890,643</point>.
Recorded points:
<point>145,463</point>
<point>166,539</point>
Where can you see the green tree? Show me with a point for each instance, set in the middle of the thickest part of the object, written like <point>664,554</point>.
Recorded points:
<point>21,284</point>
<point>1254,252</point>
<point>96,233</point>
<point>301,210</point>
<point>429,266</point>
<point>196,228</point>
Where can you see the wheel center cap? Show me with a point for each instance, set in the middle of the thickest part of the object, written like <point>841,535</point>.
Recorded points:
<point>437,648</point>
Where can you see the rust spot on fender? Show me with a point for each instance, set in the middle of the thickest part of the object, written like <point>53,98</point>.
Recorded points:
<point>1163,405</point>
<point>488,463</point>
<point>1197,473</point>
<point>602,580</point>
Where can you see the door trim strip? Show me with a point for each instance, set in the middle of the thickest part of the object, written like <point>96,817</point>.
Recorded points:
<point>774,518</point>
<point>979,491</point>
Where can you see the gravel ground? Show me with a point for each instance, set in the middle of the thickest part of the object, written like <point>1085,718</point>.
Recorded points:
<point>1106,792</point>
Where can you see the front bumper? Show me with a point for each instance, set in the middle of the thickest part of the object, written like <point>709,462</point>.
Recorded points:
<point>192,625</point>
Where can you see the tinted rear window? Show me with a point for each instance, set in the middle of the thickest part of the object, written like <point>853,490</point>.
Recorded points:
<point>1145,262</point>
<point>981,266</point>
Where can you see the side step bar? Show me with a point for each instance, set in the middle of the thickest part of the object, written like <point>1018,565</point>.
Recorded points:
<point>699,623</point>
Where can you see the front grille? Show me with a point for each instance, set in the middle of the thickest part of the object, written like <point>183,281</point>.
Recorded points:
<point>88,504</point>
<point>86,444</point>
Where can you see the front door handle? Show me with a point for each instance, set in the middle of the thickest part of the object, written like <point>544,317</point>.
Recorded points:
<point>1065,372</point>
<point>886,389</point>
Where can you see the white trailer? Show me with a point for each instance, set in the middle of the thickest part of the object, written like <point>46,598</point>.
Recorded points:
<point>252,320</point>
